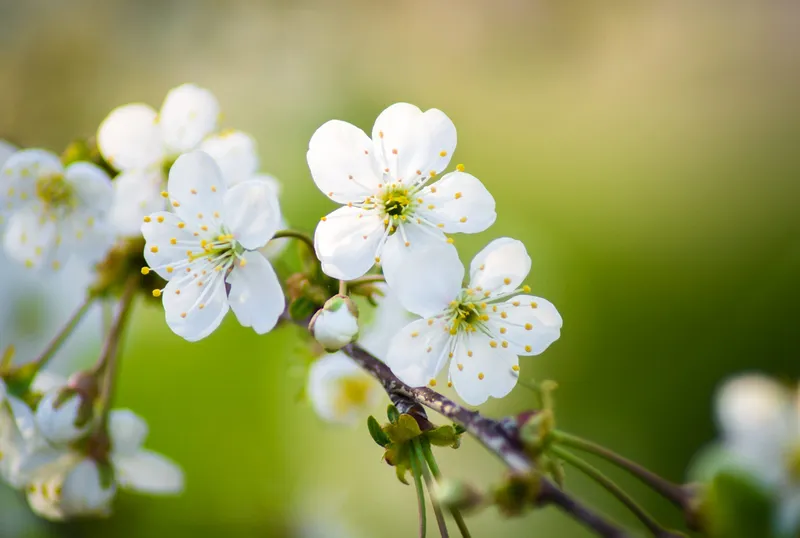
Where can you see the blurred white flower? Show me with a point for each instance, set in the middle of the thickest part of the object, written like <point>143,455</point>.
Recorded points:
<point>64,415</point>
<point>336,324</point>
<point>207,250</point>
<point>377,333</point>
<point>388,210</point>
<point>340,391</point>
<point>482,328</point>
<point>17,435</point>
<point>54,213</point>
<point>760,424</point>
<point>142,144</point>
<point>65,483</point>
<point>6,150</point>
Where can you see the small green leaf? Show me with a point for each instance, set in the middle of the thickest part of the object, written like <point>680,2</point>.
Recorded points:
<point>301,308</point>
<point>405,429</point>
<point>377,433</point>
<point>401,471</point>
<point>443,436</point>
<point>392,413</point>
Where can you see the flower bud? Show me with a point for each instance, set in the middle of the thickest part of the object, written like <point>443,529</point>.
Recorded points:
<point>336,324</point>
<point>457,495</point>
<point>65,414</point>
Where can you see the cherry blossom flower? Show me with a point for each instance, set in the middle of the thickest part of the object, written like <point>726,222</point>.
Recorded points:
<point>340,391</point>
<point>207,250</point>
<point>760,424</point>
<point>481,329</point>
<point>389,208</point>
<point>335,324</point>
<point>142,144</point>
<point>54,213</point>
<point>65,483</point>
<point>17,432</point>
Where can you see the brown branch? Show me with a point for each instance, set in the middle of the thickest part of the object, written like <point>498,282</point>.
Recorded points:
<point>501,438</point>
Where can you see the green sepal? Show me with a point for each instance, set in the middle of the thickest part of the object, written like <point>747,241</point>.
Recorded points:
<point>377,433</point>
<point>392,413</point>
<point>397,454</point>
<point>444,436</point>
<point>400,471</point>
<point>301,308</point>
<point>405,429</point>
<point>459,429</point>
<point>106,473</point>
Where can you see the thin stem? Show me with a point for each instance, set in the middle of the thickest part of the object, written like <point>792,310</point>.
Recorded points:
<point>672,492</point>
<point>342,287</point>
<point>437,508</point>
<point>109,356</point>
<point>294,234</point>
<point>590,471</point>
<point>415,470</point>
<point>56,343</point>
<point>437,474</point>
<point>368,279</point>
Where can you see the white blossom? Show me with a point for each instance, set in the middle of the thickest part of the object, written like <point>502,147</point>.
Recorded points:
<point>65,483</point>
<point>481,329</point>
<point>142,144</point>
<point>207,250</point>
<point>17,433</point>
<point>336,324</point>
<point>63,415</point>
<point>377,333</point>
<point>340,391</point>
<point>389,208</point>
<point>760,424</point>
<point>54,213</point>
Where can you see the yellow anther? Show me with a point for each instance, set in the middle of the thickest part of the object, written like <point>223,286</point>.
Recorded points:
<point>450,240</point>
<point>56,265</point>
<point>515,303</point>
<point>430,322</point>
<point>147,219</point>
<point>154,249</point>
<point>528,327</point>
<point>492,343</point>
<point>173,241</point>
<point>454,331</point>
<point>462,219</point>
<point>484,317</point>
<point>482,267</point>
<point>460,367</point>
<point>169,269</point>
<point>432,382</point>
<point>526,289</point>
<point>216,214</point>
<point>449,383</point>
<point>494,308</point>
<point>515,368</point>
<point>323,219</point>
<point>165,194</point>
<point>503,330</point>
<point>443,153</point>
<point>160,218</point>
<point>469,353</point>
<point>433,190</point>
<point>175,203</point>
<point>457,195</point>
<point>199,215</point>
<point>394,151</point>
<point>408,244</point>
<point>533,304</point>
<point>377,259</point>
<point>432,173</point>
<point>201,306</point>
<point>177,292</point>
<point>242,262</point>
<point>503,315</point>
<point>420,200</point>
<point>156,293</point>
<point>181,225</point>
<point>440,225</point>
<point>528,349</point>
<point>204,228</point>
<point>431,206</point>
<point>506,281</point>
<point>460,167</point>
<point>480,376</point>
<point>193,191</point>
<point>145,270</point>
<point>504,343</point>
<point>380,134</point>
<point>213,188</point>
<point>183,314</point>
<point>450,355</point>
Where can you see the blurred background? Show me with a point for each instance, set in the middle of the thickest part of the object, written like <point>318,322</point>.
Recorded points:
<point>646,152</point>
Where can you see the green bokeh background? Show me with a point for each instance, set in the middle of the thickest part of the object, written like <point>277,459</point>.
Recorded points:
<point>645,152</point>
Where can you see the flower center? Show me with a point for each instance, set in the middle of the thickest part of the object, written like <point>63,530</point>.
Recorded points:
<point>396,201</point>
<point>353,392</point>
<point>465,314</point>
<point>56,193</point>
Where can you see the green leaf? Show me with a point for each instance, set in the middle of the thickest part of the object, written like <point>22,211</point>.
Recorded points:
<point>392,413</point>
<point>377,433</point>
<point>301,308</point>
<point>443,436</point>
<point>405,429</point>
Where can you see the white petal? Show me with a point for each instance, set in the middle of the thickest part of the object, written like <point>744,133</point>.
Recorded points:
<point>129,137</point>
<point>340,391</point>
<point>342,163</point>
<point>389,315</point>
<point>85,236</point>
<point>487,371</point>
<point>272,181</point>
<point>500,267</point>
<point>164,257</point>
<point>6,150</point>
<point>127,431</point>
<point>419,351</point>
<point>255,295</point>
<point>461,203</point>
<point>426,280</point>
<point>235,153</point>
<point>82,492</point>
<point>251,213</point>
<point>273,250</point>
<point>188,115</point>
<point>757,419</point>
<point>19,174</point>
<point>340,242</point>
<point>531,324</point>
<point>92,186</point>
<point>197,310</point>
<point>58,424</point>
<point>409,141</point>
<point>137,193</point>
<point>148,472</point>
<point>196,186</point>
<point>29,239</point>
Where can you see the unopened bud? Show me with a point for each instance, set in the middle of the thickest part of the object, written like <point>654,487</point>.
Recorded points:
<point>64,414</point>
<point>336,324</point>
<point>458,496</point>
